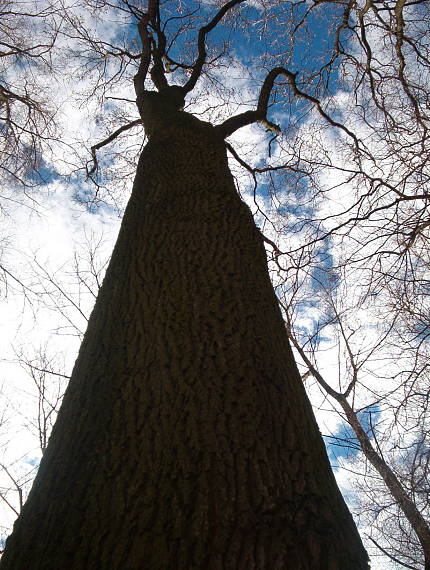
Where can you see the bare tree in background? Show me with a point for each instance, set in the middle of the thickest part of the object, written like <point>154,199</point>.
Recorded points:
<point>28,32</point>
<point>386,407</point>
<point>34,408</point>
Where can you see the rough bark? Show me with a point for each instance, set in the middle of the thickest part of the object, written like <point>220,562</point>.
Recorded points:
<point>185,439</point>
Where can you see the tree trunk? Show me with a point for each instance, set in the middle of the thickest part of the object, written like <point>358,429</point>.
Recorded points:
<point>185,439</point>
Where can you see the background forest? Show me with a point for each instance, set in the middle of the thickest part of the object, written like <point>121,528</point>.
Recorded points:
<point>337,179</point>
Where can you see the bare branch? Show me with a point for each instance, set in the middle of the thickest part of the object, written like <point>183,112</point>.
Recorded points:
<point>146,40</point>
<point>393,558</point>
<point>106,141</point>
<point>201,44</point>
<point>231,125</point>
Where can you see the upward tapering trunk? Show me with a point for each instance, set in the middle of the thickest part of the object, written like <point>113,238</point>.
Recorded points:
<point>185,439</point>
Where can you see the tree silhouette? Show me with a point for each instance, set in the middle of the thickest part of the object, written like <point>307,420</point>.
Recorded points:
<point>185,438</point>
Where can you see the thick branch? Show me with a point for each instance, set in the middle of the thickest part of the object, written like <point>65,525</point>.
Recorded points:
<point>158,75</point>
<point>201,44</point>
<point>146,40</point>
<point>231,125</point>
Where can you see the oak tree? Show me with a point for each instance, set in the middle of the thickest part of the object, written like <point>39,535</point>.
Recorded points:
<point>185,438</point>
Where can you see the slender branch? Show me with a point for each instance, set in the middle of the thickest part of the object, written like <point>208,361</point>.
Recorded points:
<point>9,504</point>
<point>20,283</point>
<point>106,141</point>
<point>45,370</point>
<point>171,62</point>
<point>18,488</point>
<point>240,160</point>
<point>393,558</point>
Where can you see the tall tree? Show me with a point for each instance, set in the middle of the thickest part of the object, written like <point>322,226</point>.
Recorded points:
<point>185,438</point>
